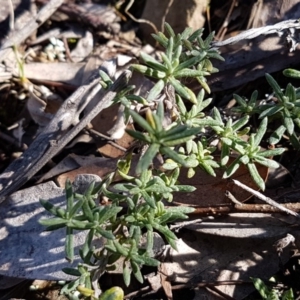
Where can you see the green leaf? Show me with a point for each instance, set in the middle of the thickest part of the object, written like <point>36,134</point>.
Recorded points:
<point>156,90</point>
<point>56,211</point>
<point>136,271</point>
<point>153,63</point>
<point>148,71</point>
<point>182,209</point>
<point>189,73</point>
<point>69,245</point>
<point>178,135</point>
<point>288,295</point>
<point>114,293</point>
<point>289,124</point>
<point>169,235</point>
<point>191,61</point>
<point>291,73</point>
<point>261,287</point>
<point>126,273</point>
<point>277,90</point>
<point>260,131</point>
<point>149,261</point>
<point>169,51</point>
<point>121,249</point>
<point>255,176</point>
<point>108,212</point>
<point>225,151</point>
<point>277,135</point>
<point>71,271</point>
<point>54,222</point>
<point>270,111</point>
<point>240,100</point>
<point>161,39</point>
<point>169,29</point>
<point>173,155</point>
<point>196,34</point>
<point>79,225</point>
<point>105,233</point>
<point>139,136</point>
<point>87,210</point>
<point>272,152</point>
<point>232,168</point>
<point>149,199</point>
<point>240,123</point>
<point>69,195</point>
<point>147,158</point>
<point>290,92</point>
<point>209,39</point>
<point>141,121</point>
<point>266,162</point>
<point>208,168</point>
<point>182,90</point>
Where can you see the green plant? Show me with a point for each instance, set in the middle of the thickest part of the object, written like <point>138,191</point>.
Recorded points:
<point>271,293</point>
<point>182,136</point>
<point>285,107</point>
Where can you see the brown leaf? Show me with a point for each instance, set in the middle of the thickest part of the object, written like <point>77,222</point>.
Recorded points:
<point>211,190</point>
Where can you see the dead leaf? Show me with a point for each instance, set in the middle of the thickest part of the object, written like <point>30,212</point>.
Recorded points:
<point>211,190</point>
<point>83,48</point>
<point>70,73</point>
<point>103,123</point>
<point>100,167</point>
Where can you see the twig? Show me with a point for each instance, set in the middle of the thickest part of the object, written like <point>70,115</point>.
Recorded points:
<point>177,227</point>
<point>138,20</point>
<point>223,30</point>
<point>163,20</point>
<point>230,208</point>
<point>109,139</point>
<point>232,198</point>
<point>265,199</point>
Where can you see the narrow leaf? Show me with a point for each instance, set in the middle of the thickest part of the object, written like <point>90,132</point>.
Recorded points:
<point>255,176</point>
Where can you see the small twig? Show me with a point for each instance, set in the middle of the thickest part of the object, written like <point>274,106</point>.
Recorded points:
<point>106,137</point>
<point>177,227</point>
<point>232,198</point>
<point>265,199</point>
<point>128,6</point>
<point>223,30</point>
<point>163,20</point>
<point>68,52</point>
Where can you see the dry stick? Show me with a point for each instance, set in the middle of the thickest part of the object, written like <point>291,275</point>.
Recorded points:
<point>19,36</point>
<point>223,29</point>
<point>230,208</point>
<point>265,199</point>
